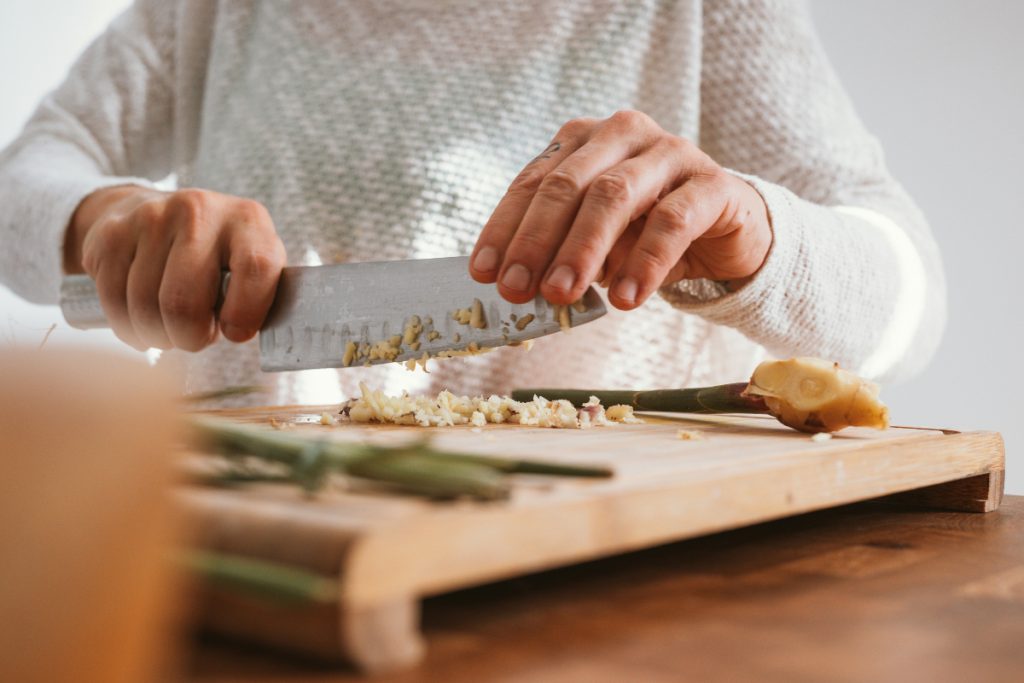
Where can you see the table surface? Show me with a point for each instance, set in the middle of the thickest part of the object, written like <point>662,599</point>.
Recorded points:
<point>866,592</point>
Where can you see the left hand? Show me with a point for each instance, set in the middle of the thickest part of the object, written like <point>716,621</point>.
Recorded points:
<point>622,202</point>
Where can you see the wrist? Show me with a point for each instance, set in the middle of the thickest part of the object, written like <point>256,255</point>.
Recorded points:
<point>89,211</point>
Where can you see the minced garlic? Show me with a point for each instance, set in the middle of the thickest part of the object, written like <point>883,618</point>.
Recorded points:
<point>622,413</point>
<point>563,317</point>
<point>412,330</point>
<point>447,409</point>
<point>524,321</point>
<point>477,319</point>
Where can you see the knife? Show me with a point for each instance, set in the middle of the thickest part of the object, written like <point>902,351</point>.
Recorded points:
<point>327,316</point>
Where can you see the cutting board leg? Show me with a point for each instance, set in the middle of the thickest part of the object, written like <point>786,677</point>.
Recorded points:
<point>384,637</point>
<point>980,493</point>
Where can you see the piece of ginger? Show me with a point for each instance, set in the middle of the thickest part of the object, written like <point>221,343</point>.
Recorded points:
<point>815,395</point>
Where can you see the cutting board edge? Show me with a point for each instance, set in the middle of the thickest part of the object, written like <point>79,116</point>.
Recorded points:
<point>379,555</point>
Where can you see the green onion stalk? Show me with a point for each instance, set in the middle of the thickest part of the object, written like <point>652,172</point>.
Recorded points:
<point>414,468</point>
<point>724,398</point>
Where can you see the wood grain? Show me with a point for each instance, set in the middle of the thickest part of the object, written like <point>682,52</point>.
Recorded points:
<point>787,601</point>
<point>390,551</point>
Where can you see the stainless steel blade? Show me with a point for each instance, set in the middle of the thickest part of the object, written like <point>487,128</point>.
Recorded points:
<point>320,309</point>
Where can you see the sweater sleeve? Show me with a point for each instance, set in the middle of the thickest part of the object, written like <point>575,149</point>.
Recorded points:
<point>853,273</point>
<point>108,123</point>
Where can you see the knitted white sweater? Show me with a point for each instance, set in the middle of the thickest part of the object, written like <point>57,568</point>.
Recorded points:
<point>389,129</point>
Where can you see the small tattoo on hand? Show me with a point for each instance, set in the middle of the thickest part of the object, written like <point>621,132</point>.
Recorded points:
<point>546,154</point>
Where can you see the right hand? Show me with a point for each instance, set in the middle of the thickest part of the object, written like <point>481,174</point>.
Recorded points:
<point>157,259</point>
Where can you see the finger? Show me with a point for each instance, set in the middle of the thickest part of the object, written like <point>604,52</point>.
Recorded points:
<point>255,257</point>
<point>188,292</point>
<point>551,213</point>
<point>672,225</point>
<point>107,253</point>
<point>143,283</point>
<point>191,228</point>
<point>111,278</point>
<point>620,251</point>
<point>557,202</point>
<point>497,233</point>
<point>613,200</point>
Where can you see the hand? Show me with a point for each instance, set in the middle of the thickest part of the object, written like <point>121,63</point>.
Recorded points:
<point>622,202</point>
<point>157,258</point>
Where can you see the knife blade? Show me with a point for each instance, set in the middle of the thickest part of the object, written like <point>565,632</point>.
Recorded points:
<point>322,312</point>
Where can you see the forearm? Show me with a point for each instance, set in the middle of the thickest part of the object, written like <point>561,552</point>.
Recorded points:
<point>109,124</point>
<point>42,181</point>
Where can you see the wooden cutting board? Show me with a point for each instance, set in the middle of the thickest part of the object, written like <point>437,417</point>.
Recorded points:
<point>389,551</point>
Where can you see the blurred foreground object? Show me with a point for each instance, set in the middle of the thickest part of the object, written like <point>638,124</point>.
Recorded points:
<point>86,588</point>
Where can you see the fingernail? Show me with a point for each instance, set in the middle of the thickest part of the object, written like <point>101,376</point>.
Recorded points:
<point>517,277</point>
<point>563,277</point>
<point>626,289</point>
<point>600,275</point>
<point>486,259</point>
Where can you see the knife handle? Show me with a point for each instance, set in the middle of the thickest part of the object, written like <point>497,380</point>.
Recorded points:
<point>80,303</point>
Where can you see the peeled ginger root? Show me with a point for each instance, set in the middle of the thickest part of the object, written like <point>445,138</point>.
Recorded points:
<point>814,395</point>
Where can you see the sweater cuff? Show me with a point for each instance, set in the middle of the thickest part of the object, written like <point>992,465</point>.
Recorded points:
<point>713,302</point>
<point>38,277</point>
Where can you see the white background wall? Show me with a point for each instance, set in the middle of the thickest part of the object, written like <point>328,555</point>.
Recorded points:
<point>939,81</point>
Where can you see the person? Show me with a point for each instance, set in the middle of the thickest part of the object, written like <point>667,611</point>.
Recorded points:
<point>699,159</point>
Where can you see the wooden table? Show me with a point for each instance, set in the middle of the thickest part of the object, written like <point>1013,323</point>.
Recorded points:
<point>867,592</point>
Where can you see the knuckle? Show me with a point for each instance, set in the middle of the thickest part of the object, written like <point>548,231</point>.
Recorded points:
<point>527,182</point>
<point>716,175</point>
<point>611,189</point>
<point>256,264</point>
<point>179,304</point>
<point>576,127</point>
<point>648,259</point>
<point>679,146</point>
<point>630,119</point>
<point>102,243</point>
<point>188,197</point>
<point>250,211</point>
<point>188,205</point>
<point>560,185</point>
<point>149,213</point>
<point>582,252</point>
<point>670,216</point>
